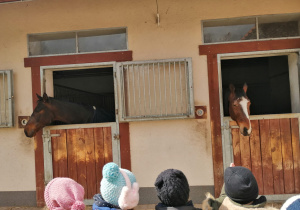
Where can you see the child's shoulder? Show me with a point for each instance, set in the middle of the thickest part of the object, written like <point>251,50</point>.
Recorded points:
<point>225,203</point>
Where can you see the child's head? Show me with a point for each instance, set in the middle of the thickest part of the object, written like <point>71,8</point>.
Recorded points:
<point>172,188</point>
<point>292,203</point>
<point>119,187</point>
<point>240,184</point>
<point>64,193</point>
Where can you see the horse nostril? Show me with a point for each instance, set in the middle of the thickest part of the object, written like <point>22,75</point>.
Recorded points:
<point>245,132</point>
<point>26,133</point>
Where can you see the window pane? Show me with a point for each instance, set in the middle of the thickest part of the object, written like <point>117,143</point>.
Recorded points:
<point>229,30</point>
<point>279,26</point>
<point>103,40</point>
<point>52,44</point>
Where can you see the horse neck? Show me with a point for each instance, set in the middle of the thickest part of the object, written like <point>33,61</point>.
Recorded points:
<point>68,112</point>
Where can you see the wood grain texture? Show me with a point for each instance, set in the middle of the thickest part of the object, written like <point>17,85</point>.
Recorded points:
<point>99,155</point>
<point>216,135</point>
<point>81,159</point>
<point>266,157</point>
<point>287,156</point>
<point>91,179</point>
<point>276,156</point>
<point>296,152</point>
<point>255,151</point>
<point>72,153</point>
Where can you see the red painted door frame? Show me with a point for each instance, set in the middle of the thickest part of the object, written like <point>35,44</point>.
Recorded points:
<point>35,63</point>
<point>211,51</point>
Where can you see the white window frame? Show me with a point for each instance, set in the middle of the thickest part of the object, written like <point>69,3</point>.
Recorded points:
<point>226,21</point>
<point>123,117</point>
<point>6,96</point>
<point>62,33</point>
<point>294,68</point>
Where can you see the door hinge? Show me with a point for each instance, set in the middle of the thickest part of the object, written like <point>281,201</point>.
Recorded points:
<point>225,127</point>
<point>116,136</point>
<point>47,139</point>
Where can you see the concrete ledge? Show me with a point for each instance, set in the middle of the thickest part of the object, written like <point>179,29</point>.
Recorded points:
<point>18,198</point>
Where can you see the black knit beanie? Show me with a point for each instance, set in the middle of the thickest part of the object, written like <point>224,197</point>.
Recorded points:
<point>240,184</point>
<point>172,188</point>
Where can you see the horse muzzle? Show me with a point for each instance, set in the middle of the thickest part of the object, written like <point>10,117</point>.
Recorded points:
<point>29,133</point>
<point>245,131</point>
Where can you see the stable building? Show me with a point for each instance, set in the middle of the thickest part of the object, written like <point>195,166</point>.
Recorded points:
<point>163,69</point>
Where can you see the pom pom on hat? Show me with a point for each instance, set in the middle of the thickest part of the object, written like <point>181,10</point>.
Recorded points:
<point>113,182</point>
<point>240,184</point>
<point>172,188</point>
<point>64,193</point>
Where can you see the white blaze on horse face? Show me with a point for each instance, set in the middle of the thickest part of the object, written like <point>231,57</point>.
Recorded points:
<point>244,103</point>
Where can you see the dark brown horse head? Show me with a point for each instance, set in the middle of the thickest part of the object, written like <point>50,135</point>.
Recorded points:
<point>50,110</point>
<point>41,116</point>
<point>239,108</point>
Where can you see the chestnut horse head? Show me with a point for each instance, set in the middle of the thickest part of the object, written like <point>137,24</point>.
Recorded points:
<point>239,108</point>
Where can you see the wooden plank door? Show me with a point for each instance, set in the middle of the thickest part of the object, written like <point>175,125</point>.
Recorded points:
<point>80,154</point>
<point>271,152</point>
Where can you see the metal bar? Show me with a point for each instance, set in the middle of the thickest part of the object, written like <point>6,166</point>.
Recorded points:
<point>179,115</point>
<point>179,63</point>
<point>138,87</point>
<point>144,85</point>
<point>256,25</point>
<point>123,90</point>
<point>153,70</point>
<point>1,99</point>
<point>176,103</point>
<point>10,98</point>
<point>187,84</point>
<point>4,99</point>
<point>128,89</point>
<point>159,89</point>
<point>165,84</point>
<point>170,88</point>
<point>133,89</point>
<point>76,42</point>
<point>149,90</point>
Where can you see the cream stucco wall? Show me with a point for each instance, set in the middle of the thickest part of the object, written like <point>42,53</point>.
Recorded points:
<point>155,146</point>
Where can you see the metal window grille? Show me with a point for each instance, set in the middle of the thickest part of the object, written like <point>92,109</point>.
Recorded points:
<point>160,89</point>
<point>6,96</point>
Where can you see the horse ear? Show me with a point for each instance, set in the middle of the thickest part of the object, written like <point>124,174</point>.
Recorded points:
<point>245,88</point>
<point>231,88</point>
<point>39,97</point>
<point>45,98</point>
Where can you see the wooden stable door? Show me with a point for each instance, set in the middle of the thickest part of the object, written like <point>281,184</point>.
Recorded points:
<point>80,154</point>
<point>271,152</point>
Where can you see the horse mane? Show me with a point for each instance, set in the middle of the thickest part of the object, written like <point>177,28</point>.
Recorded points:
<point>87,106</point>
